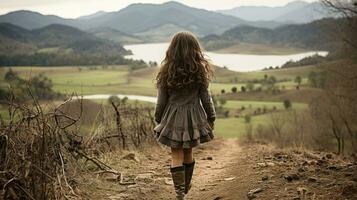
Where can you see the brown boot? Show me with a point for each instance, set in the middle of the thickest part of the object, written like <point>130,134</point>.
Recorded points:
<point>188,175</point>
<point>178,177</point>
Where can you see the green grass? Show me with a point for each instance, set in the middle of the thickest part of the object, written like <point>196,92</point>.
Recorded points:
<point>261,104</point>
<point>287,73</point>
<point>90,78</point>
<point>4,113</point>
<point>236,127</point>
<point>129,102</point>
<point>117,79</point>
<point>223,75</point>
<point>216,88</point>
<point>48,50</point>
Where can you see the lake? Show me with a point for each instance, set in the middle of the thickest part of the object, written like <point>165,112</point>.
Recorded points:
<point>236,62</point>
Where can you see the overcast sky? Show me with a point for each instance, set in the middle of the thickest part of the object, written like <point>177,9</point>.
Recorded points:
<point>76,8</point>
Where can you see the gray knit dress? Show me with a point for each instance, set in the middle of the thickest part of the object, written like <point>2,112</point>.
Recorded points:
<point>183,115</point>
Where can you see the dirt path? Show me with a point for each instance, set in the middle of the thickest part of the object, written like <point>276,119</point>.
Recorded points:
<point>229,170</point>
<point>213,176</point>
<point>216,165</point>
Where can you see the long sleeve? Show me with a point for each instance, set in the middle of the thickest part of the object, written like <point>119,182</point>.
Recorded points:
<point>162,98</point>
<point>207,104</point>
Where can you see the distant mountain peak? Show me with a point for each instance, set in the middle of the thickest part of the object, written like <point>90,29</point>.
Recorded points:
<point>298,11</point>
<point>58,27</point>
<point>17,12</point>
<point>90,16</point>
<point>172,3</point>
<point>297,2</point>
<point>168,3</point>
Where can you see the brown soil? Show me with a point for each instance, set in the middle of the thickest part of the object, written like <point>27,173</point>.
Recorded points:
<point>227,169</point>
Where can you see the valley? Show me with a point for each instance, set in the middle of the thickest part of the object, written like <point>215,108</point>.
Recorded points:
<point>78,98</point>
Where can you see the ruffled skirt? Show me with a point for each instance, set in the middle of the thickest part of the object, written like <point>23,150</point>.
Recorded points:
<point>184,126</point>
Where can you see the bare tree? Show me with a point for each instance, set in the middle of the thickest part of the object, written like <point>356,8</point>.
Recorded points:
<point>348,10</point>
<point>277,123</point>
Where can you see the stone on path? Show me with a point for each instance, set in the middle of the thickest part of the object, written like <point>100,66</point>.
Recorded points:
<point>146,178</point>
<point>229,179</point>
<point>131,156</point>
<point>251,193</point>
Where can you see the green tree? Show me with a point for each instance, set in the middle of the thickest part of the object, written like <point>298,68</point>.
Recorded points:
<point>298,80</point>
<point>114,99</point>
<point>287,104</point>
<point>11,76</point>
<point>222,101</point>
<point>272,80</point>
<point>248,127</point>
<point>312,77</point>
<point>124,100</point>
<point>250,86</point>
<point>234,89</point>
<point>247,118</point>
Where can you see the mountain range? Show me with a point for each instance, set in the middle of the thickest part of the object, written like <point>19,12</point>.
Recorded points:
<point>157,22</point>
<point>293,12</point>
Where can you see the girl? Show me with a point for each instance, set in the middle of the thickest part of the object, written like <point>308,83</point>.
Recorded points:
<point>184,111</point>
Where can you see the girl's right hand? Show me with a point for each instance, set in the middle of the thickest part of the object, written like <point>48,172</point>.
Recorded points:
<point>211,124</point>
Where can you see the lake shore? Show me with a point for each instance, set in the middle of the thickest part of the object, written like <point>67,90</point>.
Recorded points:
<point>259,49</point>
<point>233,61</point>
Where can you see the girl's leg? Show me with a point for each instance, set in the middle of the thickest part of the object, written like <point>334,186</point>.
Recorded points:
<point>178,172</point>
<point>189,164</point>
<point>187,156</point>
<point>176,157</point>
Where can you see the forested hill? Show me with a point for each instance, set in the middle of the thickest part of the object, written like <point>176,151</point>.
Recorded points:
<point>317,35</point>
<point>56,44</point>
<point>53,37</point>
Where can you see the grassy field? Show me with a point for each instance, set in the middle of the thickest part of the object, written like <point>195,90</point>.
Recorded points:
<point>261,104</point>
<point>224,75</point>
<point>236,127</point>
<point>118,79</point>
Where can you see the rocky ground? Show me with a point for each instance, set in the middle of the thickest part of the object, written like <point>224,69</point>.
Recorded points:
<point>227,169</point>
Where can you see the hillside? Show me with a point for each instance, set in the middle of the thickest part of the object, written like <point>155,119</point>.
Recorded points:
<point>317,35</point>
<point>54,36</point>
<point>56,45</point>
<point>115,35</point>
<point>306,14</point>
<point>32,20</point>
<point>293,12</point>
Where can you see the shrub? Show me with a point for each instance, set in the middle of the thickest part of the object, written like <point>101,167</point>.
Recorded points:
<point>250,86</point>
<point>287,104</point>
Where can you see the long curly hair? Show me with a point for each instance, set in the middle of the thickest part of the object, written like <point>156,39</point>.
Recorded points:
<point>184,65</point>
